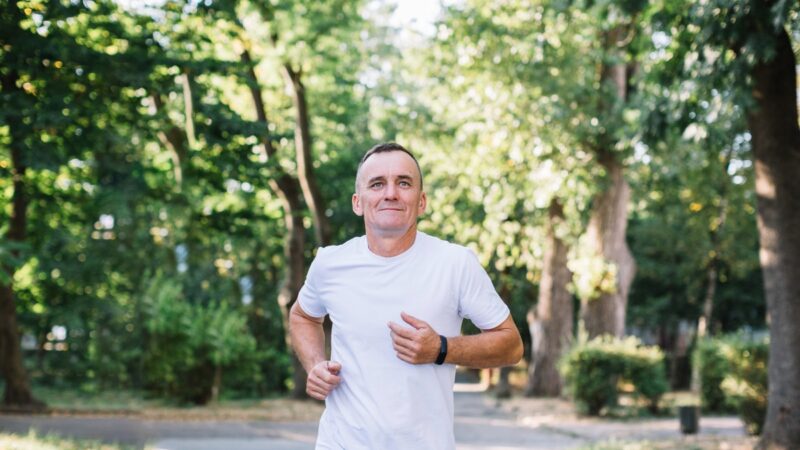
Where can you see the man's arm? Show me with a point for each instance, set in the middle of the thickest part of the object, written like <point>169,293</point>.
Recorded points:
<point>495,347</point>
<point>308,341</point>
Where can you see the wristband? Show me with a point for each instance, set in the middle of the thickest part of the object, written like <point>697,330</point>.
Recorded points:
<point>442,350</point>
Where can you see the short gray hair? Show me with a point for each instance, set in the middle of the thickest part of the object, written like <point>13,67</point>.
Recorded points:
<point>385,148</point>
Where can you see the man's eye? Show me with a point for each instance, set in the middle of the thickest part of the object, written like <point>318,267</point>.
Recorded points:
<point>405,184</point>
<point>376,185</point>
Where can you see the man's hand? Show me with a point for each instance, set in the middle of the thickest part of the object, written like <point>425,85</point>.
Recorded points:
<point>322,378</point>
<point>417,345</point>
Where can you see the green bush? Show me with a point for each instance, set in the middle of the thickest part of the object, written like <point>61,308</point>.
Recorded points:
<point>746,386</point>
<point>188,346</point>
<point>712,366</point>
<point>733,374</point>
<point>593,371</point>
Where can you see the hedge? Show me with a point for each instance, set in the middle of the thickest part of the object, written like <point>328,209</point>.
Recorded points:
<point>733,376</point>
<point>593,371</point>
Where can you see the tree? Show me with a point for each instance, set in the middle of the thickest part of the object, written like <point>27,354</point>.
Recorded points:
<point>101,204</point>
<point>551,321</point>
<point>17,389</point>
<point>529,90</point>
<point>750,43</point>
<point>773,122</point>
<point>618,31</point>
<point>42,94</point>
<point>693,228</point>
<point>306,60</point>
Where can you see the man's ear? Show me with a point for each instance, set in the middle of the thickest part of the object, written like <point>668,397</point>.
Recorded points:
<point>423,203</point>
<point>357,209</point>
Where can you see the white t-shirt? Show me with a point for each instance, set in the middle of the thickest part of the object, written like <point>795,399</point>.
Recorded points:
<point>383,402</point>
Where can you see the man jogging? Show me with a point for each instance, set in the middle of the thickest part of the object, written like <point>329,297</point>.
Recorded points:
<point>396,298</point>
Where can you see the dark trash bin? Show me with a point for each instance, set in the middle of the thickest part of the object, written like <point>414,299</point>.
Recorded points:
<point>690,419</point>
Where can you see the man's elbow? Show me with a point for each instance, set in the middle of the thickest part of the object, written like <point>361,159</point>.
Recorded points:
<point>516,352</point>
<point>294,315</point>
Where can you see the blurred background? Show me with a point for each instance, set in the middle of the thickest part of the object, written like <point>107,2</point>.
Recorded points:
<point>169,168</point>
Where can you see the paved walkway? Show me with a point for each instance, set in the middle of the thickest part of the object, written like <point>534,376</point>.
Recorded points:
<point>481,423</point>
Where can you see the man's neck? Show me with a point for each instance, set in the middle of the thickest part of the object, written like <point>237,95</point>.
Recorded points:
<point>391,245</point>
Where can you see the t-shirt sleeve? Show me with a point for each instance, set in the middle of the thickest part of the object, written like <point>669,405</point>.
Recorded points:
<point>478,299</point>
<point>309,296</point>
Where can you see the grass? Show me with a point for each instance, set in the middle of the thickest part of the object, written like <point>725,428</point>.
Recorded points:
<point>34,441</point>
<point>77,401</point>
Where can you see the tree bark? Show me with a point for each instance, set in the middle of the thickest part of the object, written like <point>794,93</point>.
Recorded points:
<point>304,158</point>
<point>776,149</point>
<point>173,139</point>
<point>287,188</point>
<point>551,320</point>
<point>606,235</point>
<point>609,218</point>
<point>188,108</point>
<point>216,385</point>
<point>17,387</point>
<point>503,387</point>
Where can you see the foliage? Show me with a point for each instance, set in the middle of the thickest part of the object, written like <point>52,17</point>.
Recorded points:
<point>747,384</point>
<point>712,369</point>
<point>733,371</point>
<point>125,181</point>
<point>502,103</point>
<point>694,185</point>
<point>593,371</point>
<point>185,343</point>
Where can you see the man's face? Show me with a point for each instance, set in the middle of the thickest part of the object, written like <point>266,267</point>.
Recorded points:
<point>389,193</point>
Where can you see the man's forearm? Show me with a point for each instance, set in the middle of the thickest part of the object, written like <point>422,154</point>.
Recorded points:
<point>491,348</point>
<point>308,339</point>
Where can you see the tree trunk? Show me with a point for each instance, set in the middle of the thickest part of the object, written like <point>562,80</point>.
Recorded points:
<point>288,190</point>
<point>305,166</point>
<point>17,387</point>
<point>609,218</point>
<point>606,235</point>
<point>503,387</point>
<point>173,139</point>
<point>305,172</point>
<point>295,271</point>
<point>216,385</point>
<point>712,269</point>
<point>551,320</point>
<point>776,149</point>
<point>188,110</point>
<point>708,301</point>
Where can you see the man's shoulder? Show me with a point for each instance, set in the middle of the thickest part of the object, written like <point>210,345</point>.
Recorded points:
<point>444,247</point>
<point>333,252</point>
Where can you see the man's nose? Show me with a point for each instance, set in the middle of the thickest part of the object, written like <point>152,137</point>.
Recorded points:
<point>390,192</point>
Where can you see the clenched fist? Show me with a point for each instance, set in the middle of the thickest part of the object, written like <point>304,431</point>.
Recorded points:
<point>322,379</point>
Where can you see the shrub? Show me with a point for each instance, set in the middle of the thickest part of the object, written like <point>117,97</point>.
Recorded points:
<point>189,345</point>
<point>746,385</point>
<point>712,366</point>
<point>593,371</point>
<point>734,367</point>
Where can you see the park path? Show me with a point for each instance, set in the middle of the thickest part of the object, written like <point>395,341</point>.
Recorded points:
<point>481,423</point>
